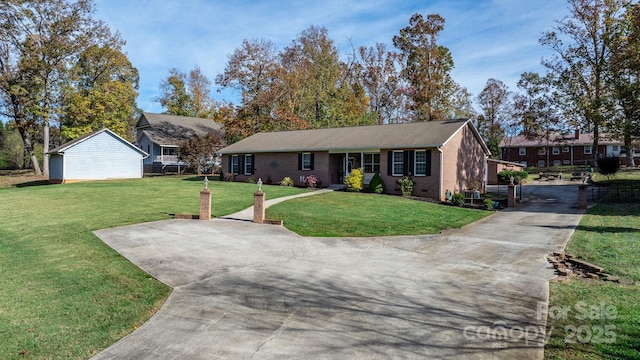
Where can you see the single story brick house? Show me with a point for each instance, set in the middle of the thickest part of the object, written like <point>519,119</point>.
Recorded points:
<point>99,155</point>
<point>439,155</point>
<point>160,135</point>
<point>561,149</point>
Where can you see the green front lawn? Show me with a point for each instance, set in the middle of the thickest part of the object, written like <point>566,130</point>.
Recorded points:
<point>609,236</point>
<point>65,294</point>
<point>357,214</point>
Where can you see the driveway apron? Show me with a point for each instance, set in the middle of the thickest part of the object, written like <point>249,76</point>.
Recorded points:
<point>249,291</point>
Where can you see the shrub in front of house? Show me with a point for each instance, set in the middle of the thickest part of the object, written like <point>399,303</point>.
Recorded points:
<point>488,204</point>
<point>312,181</point>
<point>355,180</point>
<point>457,199</point>
<point>504,176</point>
<point>376,184</point>
<point>406,185</point>
<point>608,165</point>
<point>286,181</point>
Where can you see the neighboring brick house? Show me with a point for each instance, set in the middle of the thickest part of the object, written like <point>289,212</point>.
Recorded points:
<point>160,135</point>
<point>573,149</point>
<point>439,155</point>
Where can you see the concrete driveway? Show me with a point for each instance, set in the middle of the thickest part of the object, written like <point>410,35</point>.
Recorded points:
<point>245,291</point>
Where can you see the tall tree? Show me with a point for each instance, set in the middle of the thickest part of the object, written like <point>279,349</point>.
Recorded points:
<point>494,102</point>
<point>580,65</point>
<point>427,68</point>
<point>175,98</point>
<point>380,78</point>
<point>102,93</point>
<point>624,77</point>
<point>537,109</point>
<point>43,37</point>
<point>199,87</point>
<point>252,69</point>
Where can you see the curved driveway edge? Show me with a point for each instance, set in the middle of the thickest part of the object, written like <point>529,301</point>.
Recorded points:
<point>245,290</point>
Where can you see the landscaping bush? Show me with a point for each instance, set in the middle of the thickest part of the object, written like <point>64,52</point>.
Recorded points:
<point>608,165</point>
<point>406,185</point>
<point>457,199</point>
<point>488,204</point>
<point>286,181</point>
<point>355,180</point>
<point>505,176</point>
<point>312,181</point>
<point>376,185</point>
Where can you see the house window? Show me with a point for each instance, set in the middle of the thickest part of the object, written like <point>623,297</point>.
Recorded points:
<point>541,151</point>
<point>522,151</point>
<point>566,162</point>
<point>398,163</point>
<point>306,161</point>
<point>371,163</point>
<point>555,150</point>
<point>420,163</point>
<point>523,163</point>
<point>248,164</point>
<point>587,150</point>
<point>235,164</point>
<point>540,163</point>
<point>565,149</point>
<point>557,162</point>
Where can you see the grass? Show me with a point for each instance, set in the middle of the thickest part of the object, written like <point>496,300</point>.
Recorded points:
<point>65,294</point>
<point>357,214</point>
<point>624,175</point>
<point>608,235</point>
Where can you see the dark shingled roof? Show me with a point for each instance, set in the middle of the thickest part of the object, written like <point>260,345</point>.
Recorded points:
<point>391,136</point>
<point>166,129</point>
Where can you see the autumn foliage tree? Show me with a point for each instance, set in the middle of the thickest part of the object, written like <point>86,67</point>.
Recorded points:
<point>200,152</point>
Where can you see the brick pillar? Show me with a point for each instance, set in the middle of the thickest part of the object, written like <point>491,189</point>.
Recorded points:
<point>258,207</point>
<point>582,197</point>
<point>205,204</point>
<point>511,196</point>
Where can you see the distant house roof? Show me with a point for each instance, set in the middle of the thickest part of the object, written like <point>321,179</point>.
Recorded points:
<point>559,140</point>
<point>61,149</point>
<point>391,136</point>
<point>171,130</point>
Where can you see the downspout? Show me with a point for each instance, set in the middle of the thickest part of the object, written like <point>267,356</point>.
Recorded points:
<point>441,185</point>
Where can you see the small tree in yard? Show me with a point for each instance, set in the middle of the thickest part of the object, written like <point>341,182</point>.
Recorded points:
<point>608,165</point>
<point>200,151</point>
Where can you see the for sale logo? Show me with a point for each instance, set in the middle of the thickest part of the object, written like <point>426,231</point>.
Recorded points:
<point>501,334</point>
<point>602,332</point>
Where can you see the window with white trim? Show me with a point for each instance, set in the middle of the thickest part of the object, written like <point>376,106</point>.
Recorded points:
<point>587,150</point>
<point>398,163</point>
<point>248,164</point>
<point>565,149</point>
<point>235,164</point>
<point>522,151</point>
<point>557,162</point>
<point>306,161</point>
<point>420,163</point>
<point>555,150</point>
<point>540,163</point>
<point>371,162</point>
<point>541,151</point>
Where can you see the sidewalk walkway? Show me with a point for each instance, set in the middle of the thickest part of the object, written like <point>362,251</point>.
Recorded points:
<point>246,290</point>
<point>247,214</point>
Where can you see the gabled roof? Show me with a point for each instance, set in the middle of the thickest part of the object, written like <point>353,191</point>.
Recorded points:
<point>391,136</point>
<point>559,140</point>
<point>164,129</point>
<point>62,148</point>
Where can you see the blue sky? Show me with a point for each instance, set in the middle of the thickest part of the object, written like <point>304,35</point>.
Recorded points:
<point>487,38</point>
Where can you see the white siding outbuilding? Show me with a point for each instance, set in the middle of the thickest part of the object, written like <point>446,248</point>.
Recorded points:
<point>97,156</point>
